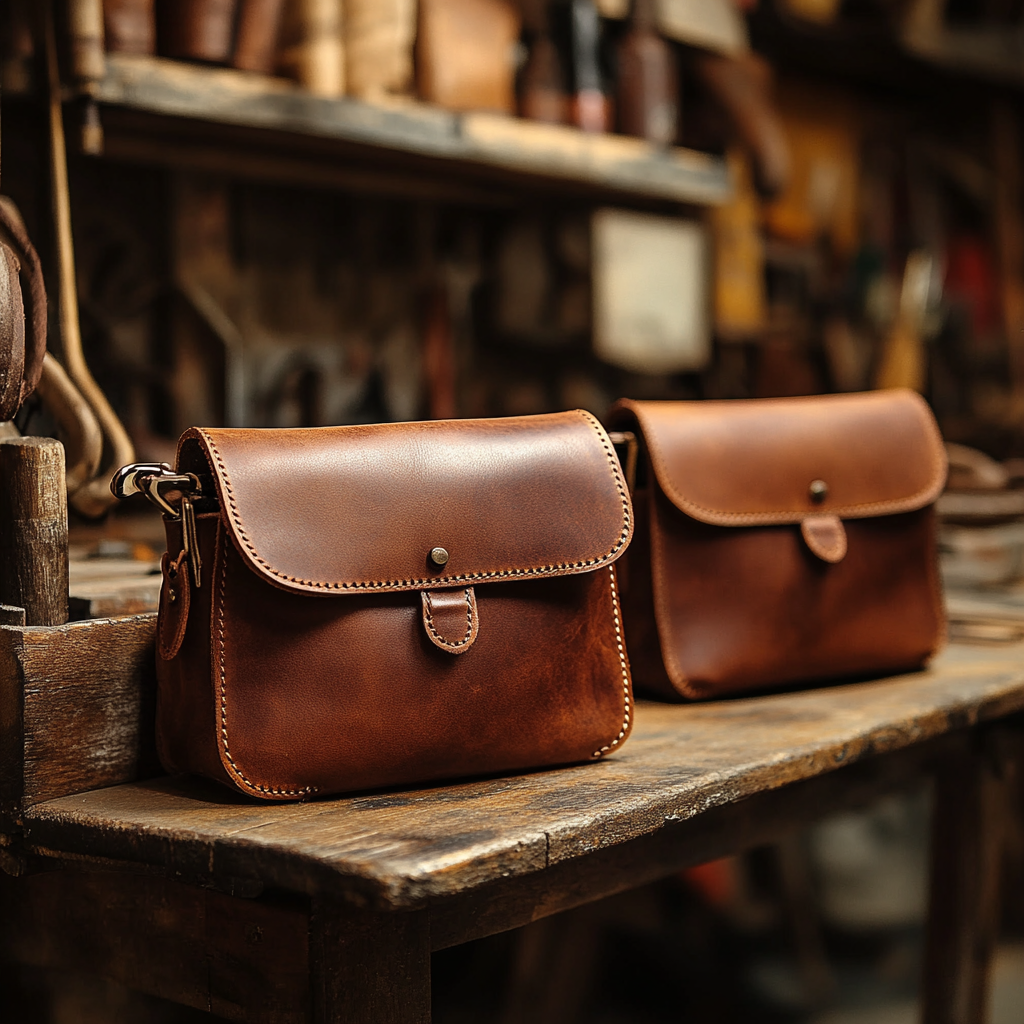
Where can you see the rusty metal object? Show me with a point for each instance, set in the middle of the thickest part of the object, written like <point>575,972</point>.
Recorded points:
<point>12,334</point>
<point>22,312</point>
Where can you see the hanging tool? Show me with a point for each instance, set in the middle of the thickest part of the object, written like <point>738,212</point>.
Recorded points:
<point>92,498</point>
<point>79,430</point>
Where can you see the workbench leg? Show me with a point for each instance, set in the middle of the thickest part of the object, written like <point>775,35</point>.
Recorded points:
<point>967,830</point>
<point>368,967</point>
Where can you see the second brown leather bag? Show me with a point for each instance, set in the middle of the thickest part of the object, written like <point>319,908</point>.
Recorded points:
<point>781,541</point>
<point>354,607</point>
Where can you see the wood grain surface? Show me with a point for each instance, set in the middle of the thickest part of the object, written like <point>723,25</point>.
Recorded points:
<point>34,529</point>
<point>410,849</point>
<point>77,706</point>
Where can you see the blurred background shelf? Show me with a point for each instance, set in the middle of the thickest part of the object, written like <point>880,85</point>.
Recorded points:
<point>223,120</point>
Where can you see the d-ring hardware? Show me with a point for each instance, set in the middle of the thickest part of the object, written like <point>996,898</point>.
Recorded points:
<point>156,480</point>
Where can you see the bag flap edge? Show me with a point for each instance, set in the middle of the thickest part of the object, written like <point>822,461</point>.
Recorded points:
<point>231,516</point>
<point>918,499</point>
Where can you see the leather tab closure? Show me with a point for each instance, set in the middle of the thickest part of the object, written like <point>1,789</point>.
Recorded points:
<point>825,536</point>
<point>450,618</point>
<point>175,598</point>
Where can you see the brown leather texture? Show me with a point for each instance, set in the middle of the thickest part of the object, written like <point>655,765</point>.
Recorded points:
<point>782,541</point>
<point>518,497</point>
<point>328,651</point>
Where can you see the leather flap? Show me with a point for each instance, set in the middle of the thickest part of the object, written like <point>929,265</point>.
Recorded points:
<point>412,506</point>
<point>743,462</point>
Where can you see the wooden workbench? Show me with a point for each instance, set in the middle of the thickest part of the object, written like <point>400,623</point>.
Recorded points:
<point>329,910</point>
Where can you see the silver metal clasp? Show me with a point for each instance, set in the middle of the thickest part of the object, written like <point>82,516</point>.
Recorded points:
<point>156,481</point>
<point>159,483</point>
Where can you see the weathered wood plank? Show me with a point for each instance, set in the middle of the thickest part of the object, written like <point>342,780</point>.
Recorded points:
<point>12,731</point>
<point>11,615</point>
<point>77,706</point>
<point>239,959</point>
<point>723,831</point>
<point>406,850</point>
<point>524,149</point>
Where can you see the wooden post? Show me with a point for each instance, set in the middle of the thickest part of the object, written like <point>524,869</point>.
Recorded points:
<point>34,529</point>
<point>963,917</point>
<point>368,967</point>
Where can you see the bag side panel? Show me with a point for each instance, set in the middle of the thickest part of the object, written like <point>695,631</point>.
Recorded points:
<point>644,645</point>
<point>334,694</point>
<point>742,609</point>
<point>186,721</point>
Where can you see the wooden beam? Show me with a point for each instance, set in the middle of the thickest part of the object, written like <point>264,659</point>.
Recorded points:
<point>244,960</point>
<point>34,529</point>
<point>369,967</point>
<point>77,709</point>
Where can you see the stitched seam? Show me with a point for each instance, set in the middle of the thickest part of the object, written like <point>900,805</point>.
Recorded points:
<point>469,621</point>
<point>222,634</point>
<point>545,570</point>
<point>893,506</point>
<point>625,670</point>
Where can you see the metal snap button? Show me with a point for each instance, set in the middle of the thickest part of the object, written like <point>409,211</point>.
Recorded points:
<point>818,491</point>
<point>439,556</point>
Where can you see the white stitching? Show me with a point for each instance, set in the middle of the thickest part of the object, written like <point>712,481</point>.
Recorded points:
<point>470,602</point>
<point>416,584</point>
<point>625,670</point>
<point>222,632</point>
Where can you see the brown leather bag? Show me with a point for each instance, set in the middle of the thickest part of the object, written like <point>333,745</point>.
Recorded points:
<point>782,541</point>
<point>390,604</point>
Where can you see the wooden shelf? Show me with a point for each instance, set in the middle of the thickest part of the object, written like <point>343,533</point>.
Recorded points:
<point>958,66</point>
<point>187,114</point>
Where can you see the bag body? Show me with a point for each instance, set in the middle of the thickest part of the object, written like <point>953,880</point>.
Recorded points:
<point>391,604</point>
<point>782,541</point>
